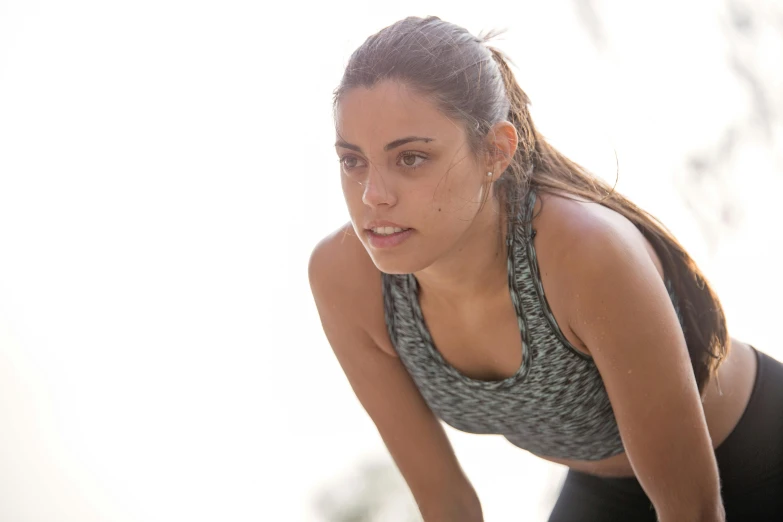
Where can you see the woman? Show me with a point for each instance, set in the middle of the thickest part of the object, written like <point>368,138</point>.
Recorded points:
<point>487,281</point>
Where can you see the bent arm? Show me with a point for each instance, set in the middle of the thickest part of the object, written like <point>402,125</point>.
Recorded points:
<point>413,435</point>
<point>622,312</point>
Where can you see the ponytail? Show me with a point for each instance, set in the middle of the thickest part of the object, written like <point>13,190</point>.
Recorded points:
<point>454,67</point>
<point>702,316</point>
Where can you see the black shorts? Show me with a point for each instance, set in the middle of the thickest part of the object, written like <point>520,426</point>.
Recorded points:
<point>750,461</point>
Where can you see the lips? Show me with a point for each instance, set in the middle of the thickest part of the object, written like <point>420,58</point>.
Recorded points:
<point>379,241</point>
<point>380,224</point>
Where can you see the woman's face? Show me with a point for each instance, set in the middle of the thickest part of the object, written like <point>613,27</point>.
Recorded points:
<point>405,165</point>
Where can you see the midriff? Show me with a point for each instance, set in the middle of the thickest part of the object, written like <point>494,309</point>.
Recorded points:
<point>736,376</point>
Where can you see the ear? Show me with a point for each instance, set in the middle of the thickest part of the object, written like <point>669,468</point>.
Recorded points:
<point>501,144</point>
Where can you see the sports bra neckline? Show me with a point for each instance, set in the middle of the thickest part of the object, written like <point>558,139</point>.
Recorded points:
<point>512,240</point>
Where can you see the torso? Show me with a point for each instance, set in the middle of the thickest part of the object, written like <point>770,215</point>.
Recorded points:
<point>487,345</point>
<point>736,375</point>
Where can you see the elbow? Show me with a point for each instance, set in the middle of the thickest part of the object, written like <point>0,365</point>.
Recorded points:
<point>713,514</point>
<point>712,510</point>
<point>708,512</point>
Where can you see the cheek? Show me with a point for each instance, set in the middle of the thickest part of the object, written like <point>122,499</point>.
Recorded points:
<point>446,202</point>
<point>443,211</point>
<point>459,192</point>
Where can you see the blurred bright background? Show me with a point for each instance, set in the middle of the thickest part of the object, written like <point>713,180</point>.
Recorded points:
<point>166,167</point>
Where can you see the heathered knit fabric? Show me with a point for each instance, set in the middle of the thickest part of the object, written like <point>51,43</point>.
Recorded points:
<point>555,405</point>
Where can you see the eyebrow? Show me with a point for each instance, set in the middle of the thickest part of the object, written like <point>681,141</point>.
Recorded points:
<point>389,146</point>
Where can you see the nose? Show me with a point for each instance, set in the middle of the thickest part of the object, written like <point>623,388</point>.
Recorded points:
<point>377,190</point>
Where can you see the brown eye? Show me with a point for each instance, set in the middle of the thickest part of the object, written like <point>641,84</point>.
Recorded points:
<point>410,160</point>
<point>349,162</point>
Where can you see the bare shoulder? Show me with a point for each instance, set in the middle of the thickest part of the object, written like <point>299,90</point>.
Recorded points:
<point>572,233</point>
<point>347,289</point>
<point>573,225</point>
<point>346,283</point>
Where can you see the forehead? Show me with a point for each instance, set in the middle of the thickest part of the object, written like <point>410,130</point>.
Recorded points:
<point>390,110</point>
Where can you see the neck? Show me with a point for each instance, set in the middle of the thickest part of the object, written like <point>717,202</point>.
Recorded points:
<point>476,268</point>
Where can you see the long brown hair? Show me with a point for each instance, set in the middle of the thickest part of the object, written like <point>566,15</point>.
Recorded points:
<point>472,83</point>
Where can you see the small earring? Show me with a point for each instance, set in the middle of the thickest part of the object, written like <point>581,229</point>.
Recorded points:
<point>489,173</point>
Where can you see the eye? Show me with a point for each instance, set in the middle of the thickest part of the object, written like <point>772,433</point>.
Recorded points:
<point>350,162</point>
<point>409,160</point>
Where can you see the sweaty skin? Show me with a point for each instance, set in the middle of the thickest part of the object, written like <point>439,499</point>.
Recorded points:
<point>435,188</point>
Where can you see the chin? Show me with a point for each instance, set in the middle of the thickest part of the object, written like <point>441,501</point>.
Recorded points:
<point>395,264</point>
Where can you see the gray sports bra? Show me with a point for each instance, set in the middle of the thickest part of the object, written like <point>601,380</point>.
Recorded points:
<point>555,405</point>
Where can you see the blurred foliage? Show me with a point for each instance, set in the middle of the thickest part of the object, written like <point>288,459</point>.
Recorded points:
<point>753,31</point>
<point>373,492</point>
<point>753,57</point>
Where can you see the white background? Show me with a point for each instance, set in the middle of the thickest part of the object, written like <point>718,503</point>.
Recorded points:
<point>166,168</point>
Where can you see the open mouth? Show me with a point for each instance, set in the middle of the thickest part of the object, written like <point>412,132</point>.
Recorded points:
<point>387,231</point>
<point>385,237</point>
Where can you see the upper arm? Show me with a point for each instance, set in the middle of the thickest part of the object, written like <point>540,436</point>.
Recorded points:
<point>621,310</point>
<point>348,296</point>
